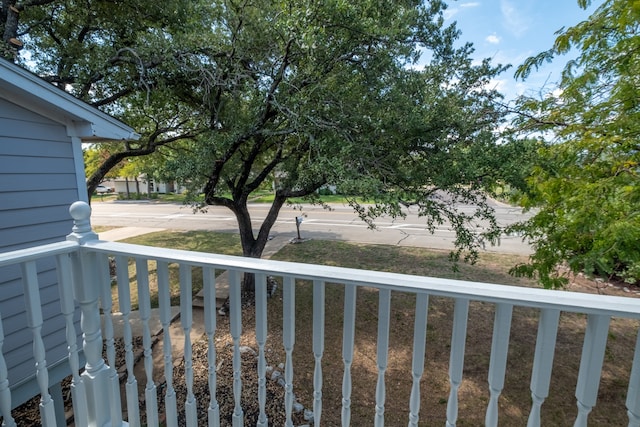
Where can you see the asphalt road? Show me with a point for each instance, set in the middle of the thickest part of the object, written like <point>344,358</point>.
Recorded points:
<point>339,223</point>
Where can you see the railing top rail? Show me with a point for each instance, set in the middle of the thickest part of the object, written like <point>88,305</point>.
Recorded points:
<point>30,254</point>
<point>521,296</point>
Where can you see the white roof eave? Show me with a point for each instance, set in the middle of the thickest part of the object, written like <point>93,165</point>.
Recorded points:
<point>24,88</point>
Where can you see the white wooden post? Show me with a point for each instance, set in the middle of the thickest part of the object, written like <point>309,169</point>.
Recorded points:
<point>633,395</point>
<point>456,357</point>
<point>67,306</point>
<point>34,322</point>
<point>318,347</point>
<point>186,321</point>
<point>235,317</point>
<point>107,305</point>
<point>144,308</point>
<point>209,283</point>
<point>348,336</point>
<point>289,339</point>
<point>594,346</point>
<point>170,399</point>
<point>417,364</point>
<point>498,361</point>
<point>384,313</point>
<point>124,302</point>
<point>5,393</point>
<point>87,291</point>
<point>261,339</point>
<point>543,362</point>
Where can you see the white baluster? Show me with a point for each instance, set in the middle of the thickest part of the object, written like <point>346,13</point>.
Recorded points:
<point>164,301</point>
<point>86,292</point>
<point>543,362</point>
<point>186,320</point>
<point>633,394</point>
<point>208,278</point>
<point>235,314</point>
<point>318,348</point>
<point>34,321</point>
<point>498,362</point>
<point>417,366</point>
<point>144,308</point>
<point>595,343</point>
<point>348,336</point>
<point>67,307</point>
<point>261,338</point>
<point>289,339</point>
<point>456,357</point>
<point>5,392</point>
<point>384,310</point>
<point>124,304</point>
<point>107,303</point>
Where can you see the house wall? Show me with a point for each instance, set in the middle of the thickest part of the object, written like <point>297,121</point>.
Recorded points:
<point>120,186</point>
<point>38,183</point>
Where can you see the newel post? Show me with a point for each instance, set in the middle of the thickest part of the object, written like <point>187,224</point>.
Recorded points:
<point>86,288</point>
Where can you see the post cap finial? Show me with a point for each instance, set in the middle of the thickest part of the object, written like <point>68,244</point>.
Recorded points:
<point>81,213</point>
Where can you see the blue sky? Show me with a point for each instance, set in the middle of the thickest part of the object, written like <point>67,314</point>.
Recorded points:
<point>509,31</point>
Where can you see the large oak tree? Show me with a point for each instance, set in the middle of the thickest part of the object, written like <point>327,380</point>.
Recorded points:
<point>379,98</point>
<point>373,98</point>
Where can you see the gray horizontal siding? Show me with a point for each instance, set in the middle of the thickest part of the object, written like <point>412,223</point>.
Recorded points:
<point>25,217</point>
<point>37,186</point>
<point>25,146</point>
<point>37,182</point>
<point>13,290</point>
<point>24,166</point>
<point>34,234</point>
<point>31,199</point>
<point>14,113</point>
<point>14,128</point>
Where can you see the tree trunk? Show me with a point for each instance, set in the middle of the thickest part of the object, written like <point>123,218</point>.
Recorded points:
<point>253,246</point>
<point>9,16</point>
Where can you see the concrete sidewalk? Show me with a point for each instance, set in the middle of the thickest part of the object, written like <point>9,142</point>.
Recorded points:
<point>122,233</point>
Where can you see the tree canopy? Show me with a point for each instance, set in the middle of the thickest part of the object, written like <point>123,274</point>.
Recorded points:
<point>375,99</point>
<point>378,98</point>
<point>586,181</point>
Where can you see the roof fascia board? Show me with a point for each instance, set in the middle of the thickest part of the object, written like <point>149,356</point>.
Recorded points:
<point>82,120</point>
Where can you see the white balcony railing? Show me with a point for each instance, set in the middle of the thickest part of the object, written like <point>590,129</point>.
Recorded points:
<point>84,282</point>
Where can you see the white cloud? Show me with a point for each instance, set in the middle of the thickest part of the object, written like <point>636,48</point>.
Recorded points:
<point>493,39</point>
<point>557,92</point>
<point>515,17</point>
<point>499,84</point>
<point>450,12</point>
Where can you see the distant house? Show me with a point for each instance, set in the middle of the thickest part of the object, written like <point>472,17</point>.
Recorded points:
<point>142,185</point>
<point>41,174</point>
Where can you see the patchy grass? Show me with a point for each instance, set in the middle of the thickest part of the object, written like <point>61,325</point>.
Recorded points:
<point>101,228</point>
<point>491,267</point>
<point>104,197</point>
<point>200,241</point>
